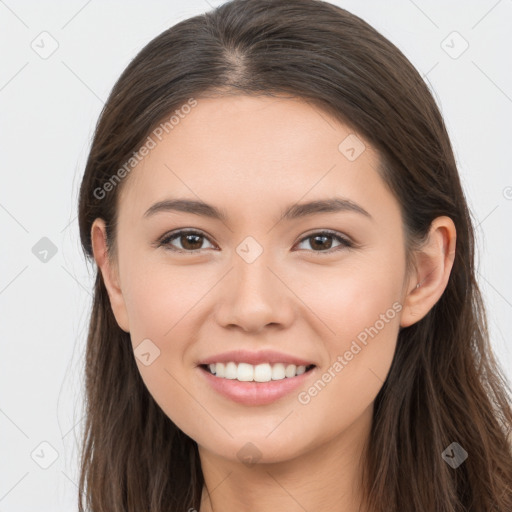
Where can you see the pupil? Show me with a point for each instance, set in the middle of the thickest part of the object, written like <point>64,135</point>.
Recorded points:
<point>321,237</point>
<point>196,239</point>
<point>188,237</point>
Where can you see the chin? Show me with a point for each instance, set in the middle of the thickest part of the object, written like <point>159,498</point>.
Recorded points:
<point>258,447</point>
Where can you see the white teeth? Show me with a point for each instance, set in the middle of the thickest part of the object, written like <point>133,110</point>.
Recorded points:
<point>220,370</point>
<point>264,372</point>
<point>245,372</point>
<point>289,371</point>
<point>231,371</point>
<point>278,371</point>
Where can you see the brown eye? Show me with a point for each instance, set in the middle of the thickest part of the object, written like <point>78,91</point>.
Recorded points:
<point>189,241</point>
<point>192,241</point>
<point>322,241</point>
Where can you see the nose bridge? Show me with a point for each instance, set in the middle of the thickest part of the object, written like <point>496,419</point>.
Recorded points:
<point>253,296</point>
<point>253,278</point>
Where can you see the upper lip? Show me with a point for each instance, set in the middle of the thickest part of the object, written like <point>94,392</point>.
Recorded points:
<point>262,356</point>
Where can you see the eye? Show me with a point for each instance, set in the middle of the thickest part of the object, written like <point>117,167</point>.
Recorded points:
<point>192,241</point>
<point>321,241</point>
<point>189,240</point>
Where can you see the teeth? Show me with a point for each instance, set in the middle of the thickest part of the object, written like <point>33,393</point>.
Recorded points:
<point>245,372</point>
<point>265,372</point>
<point>289,371</point>
<point>220,370</point>
<point>231,371</point>
<point>278,371</point>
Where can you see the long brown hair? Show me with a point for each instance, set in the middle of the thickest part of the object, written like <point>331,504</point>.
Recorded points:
<point>444,384</point>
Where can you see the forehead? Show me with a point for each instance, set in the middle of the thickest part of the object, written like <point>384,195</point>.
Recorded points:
<point>246,151</point>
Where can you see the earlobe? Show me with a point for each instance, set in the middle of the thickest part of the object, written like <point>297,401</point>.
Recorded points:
<point>109,272</point>
<point>434,262</point>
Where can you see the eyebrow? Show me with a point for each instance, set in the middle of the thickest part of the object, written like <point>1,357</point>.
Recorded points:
<point>291,212</point>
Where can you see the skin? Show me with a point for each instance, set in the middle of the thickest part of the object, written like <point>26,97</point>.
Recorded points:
<point>252,157</point>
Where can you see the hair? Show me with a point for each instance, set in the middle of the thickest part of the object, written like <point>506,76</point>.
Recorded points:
<point>444,384</point>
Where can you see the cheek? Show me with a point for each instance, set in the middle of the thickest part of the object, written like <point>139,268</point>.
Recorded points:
<point>361,308</point>
<point>359,359</point>
<point>159,297</point>
<point>353,296</point>
<point>163,303</point>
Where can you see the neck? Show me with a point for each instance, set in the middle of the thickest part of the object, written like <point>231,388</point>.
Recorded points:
<point>326,478</point>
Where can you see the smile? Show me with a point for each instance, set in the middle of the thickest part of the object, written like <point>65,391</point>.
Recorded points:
<point>258,384</point>
<point>265,372</point>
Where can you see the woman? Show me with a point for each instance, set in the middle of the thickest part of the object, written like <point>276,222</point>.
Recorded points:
<point>286,315</point>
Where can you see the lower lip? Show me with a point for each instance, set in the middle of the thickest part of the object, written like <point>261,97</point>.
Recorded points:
<point>255,393</point>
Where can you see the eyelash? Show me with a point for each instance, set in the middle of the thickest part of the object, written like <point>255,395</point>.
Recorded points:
<point>345,243</point>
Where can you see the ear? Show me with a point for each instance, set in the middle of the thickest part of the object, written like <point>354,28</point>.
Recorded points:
<point>110,273</point>
<point>434,262</point>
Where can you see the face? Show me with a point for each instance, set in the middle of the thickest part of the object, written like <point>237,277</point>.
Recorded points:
<point>268,282</point>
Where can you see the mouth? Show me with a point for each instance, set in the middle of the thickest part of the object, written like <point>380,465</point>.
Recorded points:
<point>264,372</point>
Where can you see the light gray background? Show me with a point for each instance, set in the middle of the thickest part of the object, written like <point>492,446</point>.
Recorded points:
<point>48,110</point>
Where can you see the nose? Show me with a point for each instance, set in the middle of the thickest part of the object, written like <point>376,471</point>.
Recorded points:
<point>253,296</point>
